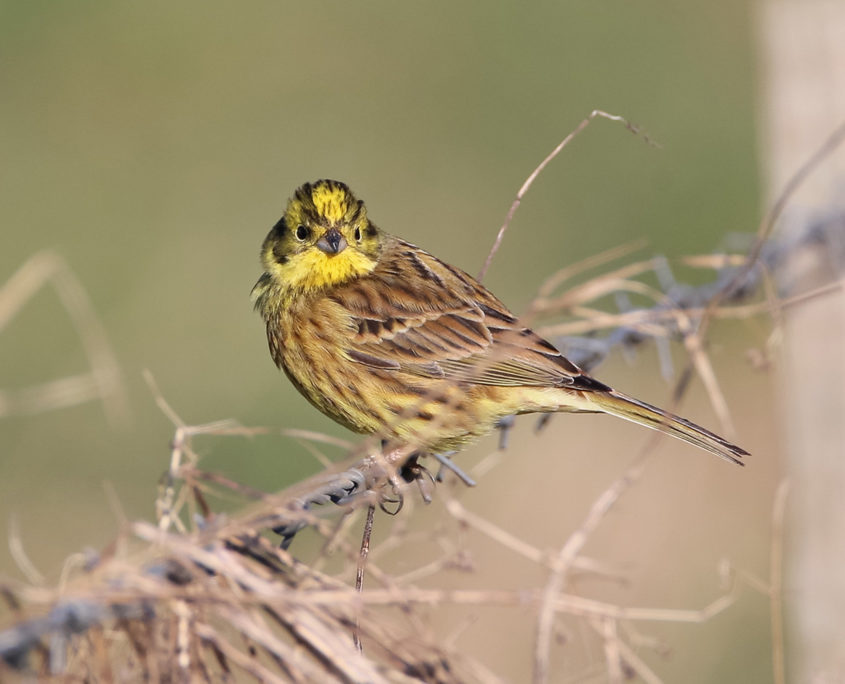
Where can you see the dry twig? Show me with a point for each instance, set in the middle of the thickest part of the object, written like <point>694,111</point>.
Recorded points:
<point>204,597</point>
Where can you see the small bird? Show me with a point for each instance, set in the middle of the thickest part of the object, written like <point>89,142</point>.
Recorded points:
<point>389,340</point>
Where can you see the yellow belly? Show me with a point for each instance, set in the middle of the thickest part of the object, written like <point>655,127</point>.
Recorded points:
<point>309,343</point>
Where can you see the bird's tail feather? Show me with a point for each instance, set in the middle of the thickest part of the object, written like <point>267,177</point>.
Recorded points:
<point>622,406</point>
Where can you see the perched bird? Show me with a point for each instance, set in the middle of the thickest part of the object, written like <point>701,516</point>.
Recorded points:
<point>387,339</point>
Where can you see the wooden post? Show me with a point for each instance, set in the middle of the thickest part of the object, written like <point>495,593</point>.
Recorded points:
<point>803,102</point>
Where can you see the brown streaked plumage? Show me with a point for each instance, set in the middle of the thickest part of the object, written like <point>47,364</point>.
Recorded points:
<point>387,339</point>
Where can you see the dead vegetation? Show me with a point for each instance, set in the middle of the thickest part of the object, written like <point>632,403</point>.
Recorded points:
<point>199,596</point>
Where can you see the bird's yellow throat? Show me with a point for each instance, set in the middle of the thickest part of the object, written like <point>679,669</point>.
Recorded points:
<point>314,270</point>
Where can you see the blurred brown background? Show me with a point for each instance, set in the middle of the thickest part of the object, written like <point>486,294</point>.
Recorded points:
<point>154,144</point>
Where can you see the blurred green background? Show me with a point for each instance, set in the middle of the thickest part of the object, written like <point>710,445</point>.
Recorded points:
<point>154,144</point>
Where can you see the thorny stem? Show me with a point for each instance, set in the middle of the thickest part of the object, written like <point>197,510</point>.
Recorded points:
<point>359,574</point>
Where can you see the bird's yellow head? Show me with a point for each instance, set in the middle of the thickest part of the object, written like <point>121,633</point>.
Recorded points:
<point>324,239</point>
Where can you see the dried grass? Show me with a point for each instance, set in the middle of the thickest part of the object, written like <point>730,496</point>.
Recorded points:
<point>199,596</point>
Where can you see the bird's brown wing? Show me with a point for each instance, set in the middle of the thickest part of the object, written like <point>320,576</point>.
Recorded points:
<point>418,315</point>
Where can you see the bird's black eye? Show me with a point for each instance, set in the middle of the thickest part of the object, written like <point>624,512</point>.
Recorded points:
<point>358,233</point>
<point>301,232</point>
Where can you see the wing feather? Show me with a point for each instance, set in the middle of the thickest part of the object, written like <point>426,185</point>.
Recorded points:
<point>417,315</point>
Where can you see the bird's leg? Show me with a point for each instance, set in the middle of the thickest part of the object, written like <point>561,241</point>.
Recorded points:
<point>412,471</point>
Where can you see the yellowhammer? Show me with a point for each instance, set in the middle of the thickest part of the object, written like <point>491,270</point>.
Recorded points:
<point>388,340</point>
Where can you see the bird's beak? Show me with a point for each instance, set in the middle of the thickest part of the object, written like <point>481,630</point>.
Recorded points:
<point>332,242</point>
